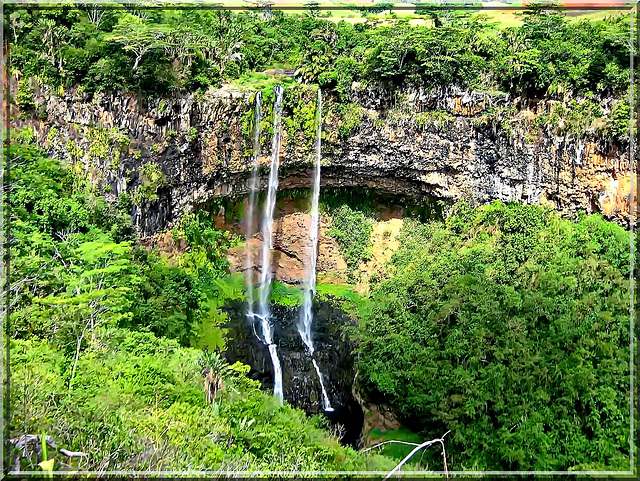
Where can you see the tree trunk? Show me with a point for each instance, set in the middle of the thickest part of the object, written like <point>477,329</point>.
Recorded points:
<point>75,362</point>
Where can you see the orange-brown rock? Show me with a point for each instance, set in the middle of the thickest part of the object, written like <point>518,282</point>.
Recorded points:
<point>291,242</point>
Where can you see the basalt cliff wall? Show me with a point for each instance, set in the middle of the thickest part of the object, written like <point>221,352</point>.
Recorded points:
<point>169,155</point>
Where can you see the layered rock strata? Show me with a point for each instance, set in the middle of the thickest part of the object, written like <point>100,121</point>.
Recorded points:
<point>186,151</point>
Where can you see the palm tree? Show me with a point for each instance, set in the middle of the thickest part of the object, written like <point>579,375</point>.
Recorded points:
<point>215,370</point>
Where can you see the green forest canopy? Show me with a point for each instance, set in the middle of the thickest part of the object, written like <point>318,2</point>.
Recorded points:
<point>161,51</point>
<point>509,326</point>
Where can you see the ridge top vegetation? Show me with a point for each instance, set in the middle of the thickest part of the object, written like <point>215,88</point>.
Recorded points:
<point>158,52</point>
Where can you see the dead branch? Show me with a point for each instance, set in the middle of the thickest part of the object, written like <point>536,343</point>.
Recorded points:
<point>418,448</point>
<point>75,361</point>
<point>387,442</point>
<point>72,454</point>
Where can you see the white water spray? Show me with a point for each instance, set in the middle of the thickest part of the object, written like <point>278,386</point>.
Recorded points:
<point>306,314</point>
<point>264,289</point>
<point>579,154</point>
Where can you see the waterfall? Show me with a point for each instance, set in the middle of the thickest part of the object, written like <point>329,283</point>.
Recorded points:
<point>306,315</point>
<point>251,211</point>
<point>579,153</point>
<point>264,289</point>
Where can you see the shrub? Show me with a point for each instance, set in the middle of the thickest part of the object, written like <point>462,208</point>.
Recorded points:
<point>192,134</point>
<point>350,116</point>
<point>24,99</point>
<point>352,230</point>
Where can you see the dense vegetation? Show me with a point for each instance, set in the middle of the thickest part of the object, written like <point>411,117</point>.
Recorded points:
<point>505,323</point>
<point>510,327</point>
<point>160,51</point>
<point>351,229</point>
<point>105,340</point>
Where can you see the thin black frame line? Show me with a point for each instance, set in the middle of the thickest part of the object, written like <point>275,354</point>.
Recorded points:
<point>252,7</point>
<point>634,252</point>
<point>631,233</point>
<point>2,239</point>
<point>619,8</point>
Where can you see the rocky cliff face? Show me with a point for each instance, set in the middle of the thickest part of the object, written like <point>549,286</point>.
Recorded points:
<point>169,155</point>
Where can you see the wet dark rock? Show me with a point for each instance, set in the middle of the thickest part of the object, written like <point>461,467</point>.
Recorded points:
<point>333,354</point>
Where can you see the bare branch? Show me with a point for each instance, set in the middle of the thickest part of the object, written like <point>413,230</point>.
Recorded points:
<point>75,361</point>
<point>444,456</point>
<point>418,448</point>
<point>387,442</point>
<point>72,454</point>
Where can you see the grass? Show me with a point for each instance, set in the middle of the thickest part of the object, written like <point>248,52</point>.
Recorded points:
<point>350,302</point>
<point>260,80</point>
<point>286,295</point>
<point>291,296</point>
<point>338,14</point>
<point>594,15</point>
<point>395,450</point>
<point>510,18</point>
<point>232,287</point>
<point>337,290</point>
<point>503,18</point>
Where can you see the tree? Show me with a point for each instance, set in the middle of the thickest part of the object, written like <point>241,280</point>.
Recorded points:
<point>215,371</point>
<point>439,16</point>
<point>264,5</point>
<point>98,278</point>
<point>509,326</point>
<point>378,8</point>
<point>183,44</point>
<point>19,20</point>
<point>314,9</point>
<point>137,36</point>
<point>96,13</point>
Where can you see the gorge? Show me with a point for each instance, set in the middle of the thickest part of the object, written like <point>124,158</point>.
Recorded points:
<point>456,154</point>
<point>272,243</point>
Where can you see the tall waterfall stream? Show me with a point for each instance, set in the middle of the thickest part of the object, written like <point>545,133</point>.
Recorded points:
<point>261,314</point>
<point>251,210</point>
<point>309,288</point>
<point>264,288</point>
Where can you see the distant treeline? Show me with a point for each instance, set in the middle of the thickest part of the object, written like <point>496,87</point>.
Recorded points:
<point>163,51</point>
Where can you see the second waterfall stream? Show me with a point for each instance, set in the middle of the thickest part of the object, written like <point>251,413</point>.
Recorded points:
<point>309,287</point>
